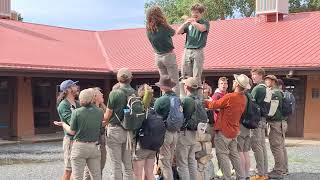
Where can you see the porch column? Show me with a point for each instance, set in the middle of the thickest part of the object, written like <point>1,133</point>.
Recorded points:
<point>25,119</point>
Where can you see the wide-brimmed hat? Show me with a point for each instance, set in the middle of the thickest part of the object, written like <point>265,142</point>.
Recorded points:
<point>242,80</point>
<point>272,77</point>
<point>192,82</point>
<point>165,81</point>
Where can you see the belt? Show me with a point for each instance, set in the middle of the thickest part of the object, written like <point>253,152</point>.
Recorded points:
<point>164,53</point>
<point>114,125</point>
<point>87,142</point>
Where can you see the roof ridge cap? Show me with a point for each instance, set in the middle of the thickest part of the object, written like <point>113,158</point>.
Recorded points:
<point>103,51</point>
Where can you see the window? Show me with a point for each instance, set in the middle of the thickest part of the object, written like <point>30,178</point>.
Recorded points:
<point>315,93</point>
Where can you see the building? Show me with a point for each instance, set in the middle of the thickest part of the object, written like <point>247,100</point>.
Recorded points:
<point>35,58</point>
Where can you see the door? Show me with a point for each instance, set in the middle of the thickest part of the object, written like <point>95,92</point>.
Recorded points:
<point>5,107</point>
<point>296,120</point>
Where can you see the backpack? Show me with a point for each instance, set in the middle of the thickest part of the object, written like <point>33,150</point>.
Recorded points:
<point>270,103</point>
<point>134,113</point>
<point>252,115</point>
<point>288,104</point>
<point>198,116</point>
<point>175,119</point>
<point>152,132</point>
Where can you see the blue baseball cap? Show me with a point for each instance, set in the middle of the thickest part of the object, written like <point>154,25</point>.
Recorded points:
<point>67,84</point>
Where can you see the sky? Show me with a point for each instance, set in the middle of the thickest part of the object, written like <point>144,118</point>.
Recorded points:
<point>83,14</point>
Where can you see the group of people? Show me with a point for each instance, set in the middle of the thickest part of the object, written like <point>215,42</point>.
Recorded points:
<point>94,131</point>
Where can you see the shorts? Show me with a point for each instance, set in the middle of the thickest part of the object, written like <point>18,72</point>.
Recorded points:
<point>67,146</point>
<point>143,154</point>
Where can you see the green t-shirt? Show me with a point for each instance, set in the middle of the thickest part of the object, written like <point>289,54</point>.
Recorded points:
<point>86,122</point>
<point>118,101</point>
<point>162,104</point>
<point>259,93</point>
<point>161,40</point>
<point>278,115</point>
<point>65,110</point>
<point>188,105</point>
<point>196,39</point>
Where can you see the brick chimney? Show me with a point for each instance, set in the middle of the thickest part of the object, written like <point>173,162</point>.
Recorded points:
<point>5,9</point>
<point>272,10</point>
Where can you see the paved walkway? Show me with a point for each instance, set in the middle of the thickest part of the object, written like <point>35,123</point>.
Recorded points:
<point>36,139</point>
<point>59,136</point>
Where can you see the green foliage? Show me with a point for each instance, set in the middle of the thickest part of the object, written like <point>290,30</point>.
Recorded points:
<point>246,7</point>
<point>20,18</point>
<point>176,9</point>
<point>221,9</point>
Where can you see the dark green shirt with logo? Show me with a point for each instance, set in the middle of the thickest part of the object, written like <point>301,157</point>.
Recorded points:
<point>188,104</point>
<point>196,39</point>
<point>161,40</point>
<point>86,121</point>
<point>117,101</point>
<point>65,110</point>
<point>162,104</point>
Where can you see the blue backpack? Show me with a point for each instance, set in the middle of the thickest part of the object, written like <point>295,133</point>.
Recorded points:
<point>175,119</point>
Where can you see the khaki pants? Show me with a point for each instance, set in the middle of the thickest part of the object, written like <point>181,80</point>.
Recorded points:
<point>119,153</point>
<point>103,158</point>
<point>83,154</point>
<point>185,155</point>
<point>66,146</point>
<point>166,154</point>
<point>226,150</point>
<point>276,138</point>
<point>192,63</point>
<point>258,144</point>
<point>285,129</point>
<point>167,65</point>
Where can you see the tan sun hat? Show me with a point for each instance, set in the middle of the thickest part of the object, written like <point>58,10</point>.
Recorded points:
<point>242,80</point>
<point>192,82</point>
<point>272,77</point>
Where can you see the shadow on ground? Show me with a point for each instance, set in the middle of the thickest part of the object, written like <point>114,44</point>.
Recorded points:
<point>303,176</point>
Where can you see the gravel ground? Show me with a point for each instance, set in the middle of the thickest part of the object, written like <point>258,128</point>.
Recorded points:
<point>43,161</point>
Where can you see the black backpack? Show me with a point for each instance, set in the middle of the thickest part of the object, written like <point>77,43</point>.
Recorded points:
<point>198,116</point>
<point>152,132</point>
<point>288,104</point>
<point>252,115</point>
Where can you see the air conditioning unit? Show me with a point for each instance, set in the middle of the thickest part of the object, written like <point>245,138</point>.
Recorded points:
<point>272,6</point>
<point>5,9</point>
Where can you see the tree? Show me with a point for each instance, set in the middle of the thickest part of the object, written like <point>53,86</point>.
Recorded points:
<point>20,18</point>
<point>176,9</point>
<point>246,7</point>
<point>304,5</point>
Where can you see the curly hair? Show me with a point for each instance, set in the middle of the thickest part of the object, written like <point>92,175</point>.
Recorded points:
<point>156,18</point>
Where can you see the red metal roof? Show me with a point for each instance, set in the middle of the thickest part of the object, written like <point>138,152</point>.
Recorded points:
<point>232,44</point>
<point>39,47</point>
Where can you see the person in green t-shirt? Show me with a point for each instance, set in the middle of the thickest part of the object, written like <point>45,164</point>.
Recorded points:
<point>85,125</point>
<point>162,107</point>
<point>67,103</point>
<point>118,140</point>
<point>196,30</point>
<point>160,34</point>
<point>186,144</point>
<point>276,134</point>
<point>258,142</point>
<point>99,102</point>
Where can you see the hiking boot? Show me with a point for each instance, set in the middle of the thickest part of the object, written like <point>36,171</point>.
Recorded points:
<point>257,177</point>
<point>275,175</point>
